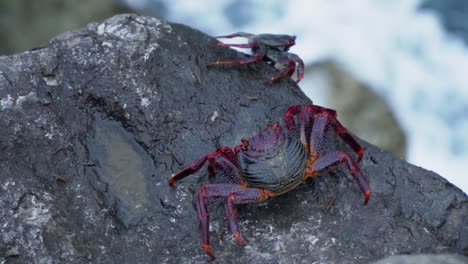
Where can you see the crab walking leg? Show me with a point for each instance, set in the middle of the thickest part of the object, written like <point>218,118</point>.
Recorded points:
<point>246,46</point>
<point>305,123</point>
<point>228,168</point>
<point>317,137</point>
<point>289,70</point>
<point>245,195</point>
<point>300,65</point>
<point>230,194</point>
<point>342,132</point>
<point>317,142</point>
<point>207,193</point>
<point>306,118</point>
<point>238,34</point>
<point>223,155</point>
<point>193,167</point>
<point>254,58</point>
<point>336,158</point>
<point>288,117</point>
<point>291,60</point>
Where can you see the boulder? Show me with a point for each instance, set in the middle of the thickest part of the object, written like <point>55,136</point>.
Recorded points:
<point>94,123</point>
<point>362,110</point>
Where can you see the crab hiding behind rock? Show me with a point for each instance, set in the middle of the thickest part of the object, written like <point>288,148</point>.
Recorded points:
<point>272,162</point>
<point>272,48</point>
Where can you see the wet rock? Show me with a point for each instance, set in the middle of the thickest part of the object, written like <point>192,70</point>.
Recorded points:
<point>360,109</point>
<point>94,123</point>
<point>423,259</point>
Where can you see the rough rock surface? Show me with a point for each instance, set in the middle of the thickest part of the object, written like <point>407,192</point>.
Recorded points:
<point>424,259</point>
<point>93,124</point>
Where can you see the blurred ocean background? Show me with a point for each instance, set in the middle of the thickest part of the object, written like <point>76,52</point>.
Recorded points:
<point>411,56</point>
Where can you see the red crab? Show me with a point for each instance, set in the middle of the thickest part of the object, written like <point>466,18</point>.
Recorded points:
<point>270,163</point>
<point>271,48</point>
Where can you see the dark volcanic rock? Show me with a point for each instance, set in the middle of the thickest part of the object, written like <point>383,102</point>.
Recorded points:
<point>94,123</point>
<point>424,259</point>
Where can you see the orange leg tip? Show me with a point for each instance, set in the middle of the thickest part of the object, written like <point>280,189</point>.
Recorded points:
<point>239,239</point>
<point>360,155</point>
<point>366,197</point>
<point>212,64</point>
<point>171,180</point>
<point>207,249</point>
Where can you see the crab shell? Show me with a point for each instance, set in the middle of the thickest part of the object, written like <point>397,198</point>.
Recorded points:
<point>266,162</point>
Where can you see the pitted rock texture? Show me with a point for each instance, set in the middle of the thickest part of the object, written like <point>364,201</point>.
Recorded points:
<point>424,259</point>
<point>94,123</point>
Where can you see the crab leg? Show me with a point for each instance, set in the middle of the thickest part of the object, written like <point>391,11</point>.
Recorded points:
<point>300,66</point>
<point>238,34</point>
<point>221,158</point>
<point>193,167</point>
<point>246,46</point>
<point>306,119</point>
<point>325,117</point>
<point>254,58</point>
<point>242,196</point>
<point>228,167</point>
<point>288,117</point>
<point>289,70</point>
<point>291,60</point>
<point>208,193</point>
<point>336,158</point>
<point>231,194</point>
<point>242,61</point>
<point>344,134</point>
<point>317,143</point>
